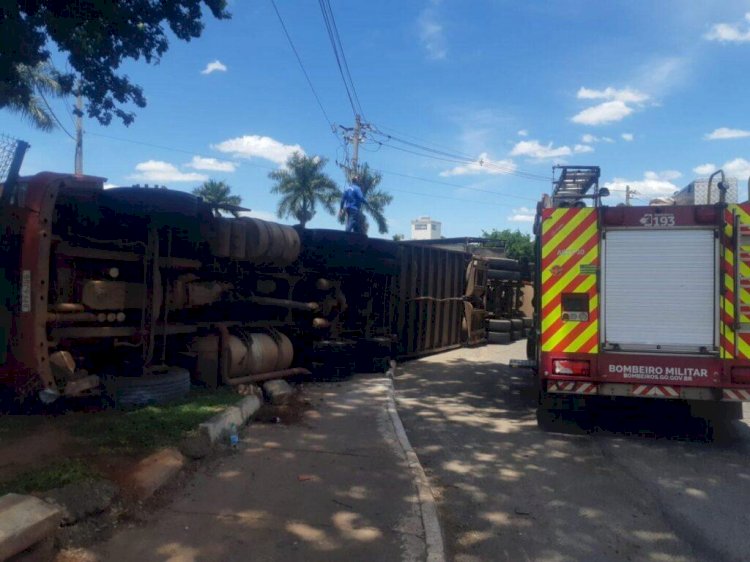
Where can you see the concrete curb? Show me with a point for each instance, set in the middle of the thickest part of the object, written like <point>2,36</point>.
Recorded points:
<point>218,426</point>
<point>427,507</point>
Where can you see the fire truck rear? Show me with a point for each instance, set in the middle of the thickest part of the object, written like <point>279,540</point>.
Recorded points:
<point>649,301</point>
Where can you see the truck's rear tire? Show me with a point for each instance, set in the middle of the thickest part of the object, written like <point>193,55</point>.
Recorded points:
<point>148,389</point>
<point>502,275</point>
<point>498,337</point>
<point>498,325</point>
<point>516,335</point>
<point>516,324</point>
<point>528,322</point>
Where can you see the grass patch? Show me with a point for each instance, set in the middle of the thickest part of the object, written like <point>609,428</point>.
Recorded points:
<point>54,475</point>
<point>151,427</point>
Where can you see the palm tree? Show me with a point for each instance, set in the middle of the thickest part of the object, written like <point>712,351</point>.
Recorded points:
<point>376,200</point>
<point>40,80</point>
<point>302,184</point>
<point>218,195</point>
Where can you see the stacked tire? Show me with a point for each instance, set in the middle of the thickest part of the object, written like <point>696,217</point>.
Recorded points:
<point>503,269</point>
<point>499,331</point>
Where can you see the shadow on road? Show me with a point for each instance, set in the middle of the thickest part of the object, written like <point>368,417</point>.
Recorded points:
<point>616,483</point>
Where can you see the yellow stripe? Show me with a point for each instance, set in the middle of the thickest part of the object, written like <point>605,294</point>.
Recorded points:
<point>578,217</point>
<point>579,243</point>
<point>587,334</point>
<point>550,318</point>
<point>566,279</point>
<point>743,349</point>
<point>564,331</point>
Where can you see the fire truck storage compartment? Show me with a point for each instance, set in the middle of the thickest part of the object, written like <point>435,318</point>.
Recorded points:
<point>660,290</point>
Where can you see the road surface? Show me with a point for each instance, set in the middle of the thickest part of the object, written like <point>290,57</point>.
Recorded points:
<point>630,487</point>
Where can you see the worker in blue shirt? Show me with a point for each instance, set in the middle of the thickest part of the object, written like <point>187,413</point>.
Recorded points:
<point>351,204</point>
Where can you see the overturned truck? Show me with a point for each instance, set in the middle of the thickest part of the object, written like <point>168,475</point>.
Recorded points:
<point>141,291</point>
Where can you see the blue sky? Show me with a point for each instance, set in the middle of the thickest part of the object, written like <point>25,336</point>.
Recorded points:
<point>653,92</point>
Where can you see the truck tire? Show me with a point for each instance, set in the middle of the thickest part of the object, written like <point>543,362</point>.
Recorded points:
<point>148,389</point>
<point>498,325</point>
<point>528,322</point>
<point>498,337</point>
<point>526,332</point>
<point>516,335</point>
<point>516,324</point>
<point>502,275</point>
<point>506,264</point>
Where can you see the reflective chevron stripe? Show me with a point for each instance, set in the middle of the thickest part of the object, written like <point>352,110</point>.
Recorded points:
<point>735,395</point>
<point>655,391</point>
<point>571,387</point>
<point>570,261</point>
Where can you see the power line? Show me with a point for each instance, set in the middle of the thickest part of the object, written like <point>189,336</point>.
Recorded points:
<point>456,185</point>
<point>49,108</point>
<point>351,92</point>
<point>343,55</point>
<point>172,149</point>
<point>504,170</point>
<point>302,66</point>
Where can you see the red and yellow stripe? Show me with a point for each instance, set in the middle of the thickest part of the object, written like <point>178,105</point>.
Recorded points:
<point>570,239</point>
<point>735,300</point>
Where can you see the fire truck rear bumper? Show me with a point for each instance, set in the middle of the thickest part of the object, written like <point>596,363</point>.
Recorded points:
<point>583,388</point>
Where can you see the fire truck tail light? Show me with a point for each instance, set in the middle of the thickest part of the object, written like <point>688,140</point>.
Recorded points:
<point>741,375</point>
<point>570,367</point>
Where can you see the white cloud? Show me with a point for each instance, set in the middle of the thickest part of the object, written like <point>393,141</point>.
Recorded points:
<point>534,149</point>
<point>523,133</point>
<point>215,66</point>
<point>653,184</point>
<point>158,171</point>
<point>617,105</point>
<point>628,137</point>
<point>738,168</point>
<point>607,112</point>
<point>738,32</point>
<point>523,214</point>
<point>256,146</point>
<point>431,34</point>
<point>705,169</point>
<point>625,95</point>
<point>211,164</point>
<point>723,133</point>
<point>591,139</point>
<point>483,165</point>
<point>109,185</point>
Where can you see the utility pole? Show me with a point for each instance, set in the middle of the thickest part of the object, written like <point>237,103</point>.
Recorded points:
<point>355,145</point>
<point>355,139</point>
<point>628,194</point>
<point>79,134</point>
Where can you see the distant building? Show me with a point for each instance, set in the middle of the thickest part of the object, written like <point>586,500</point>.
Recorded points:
<point>424,228</point>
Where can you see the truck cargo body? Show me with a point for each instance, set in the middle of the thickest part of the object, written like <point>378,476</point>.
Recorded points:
<point>649,302</point>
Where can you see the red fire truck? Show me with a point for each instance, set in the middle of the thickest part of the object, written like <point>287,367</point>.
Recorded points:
<point>648,301</point>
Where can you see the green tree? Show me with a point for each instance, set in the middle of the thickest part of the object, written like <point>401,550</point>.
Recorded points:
<point>219,195</point>
<point>518,246</point>
<point>97,36</point>
<point>42,81</point>
<point>398,237</point>
<point>376,200</point>
<point>303,185</point>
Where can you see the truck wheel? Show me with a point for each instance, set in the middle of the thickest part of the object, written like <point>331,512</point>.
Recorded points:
<point>498,337</point>
<point>502,275</point>
<point>506,264</point>
<point>148,389</point>
<point>528,322</point>
<point>498,325</point>
<point>516,324</point>
<point>516,335</point>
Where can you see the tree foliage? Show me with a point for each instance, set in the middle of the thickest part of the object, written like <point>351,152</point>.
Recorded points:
<point>219,195</point>
<point>518,246</point>
<point>97,36</point>
<point>398,237</point>
<point>44,82</point>
<point>303,185</point>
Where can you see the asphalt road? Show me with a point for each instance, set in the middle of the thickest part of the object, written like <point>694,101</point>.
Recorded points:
<point>628,486</point>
